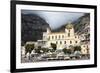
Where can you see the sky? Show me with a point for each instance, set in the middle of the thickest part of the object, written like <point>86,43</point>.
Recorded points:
<point>55,19</point>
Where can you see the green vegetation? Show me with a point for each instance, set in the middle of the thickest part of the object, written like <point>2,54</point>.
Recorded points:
<point>77,48</point>
<point>66,51</point>
<point>71,49</point>
<point>29,48</point>
<point>37,50</point>
<point>54,46</point>
<point>40,50</point>
<point>45,50</point>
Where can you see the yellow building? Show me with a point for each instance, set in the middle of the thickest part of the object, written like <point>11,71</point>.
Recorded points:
<point>62,39</point>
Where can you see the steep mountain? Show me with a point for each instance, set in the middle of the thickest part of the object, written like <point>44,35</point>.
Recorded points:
<point>32,27</point>
<point>81,25</point>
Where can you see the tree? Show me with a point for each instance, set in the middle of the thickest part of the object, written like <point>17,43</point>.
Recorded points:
<point>77,48</point>
<point>71,48</point>
<point>26,49</point>
<point>69,51</point>
<point>66,51</point>
<point>38,50</point>
<point>45,50</point>
<point>54,46</point>
<point>29,48</point>
<point>77,51</point>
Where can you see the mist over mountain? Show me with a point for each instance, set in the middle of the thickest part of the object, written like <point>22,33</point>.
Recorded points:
<point>81,25</point>
<point>32,27</point>
<point>55,19</point>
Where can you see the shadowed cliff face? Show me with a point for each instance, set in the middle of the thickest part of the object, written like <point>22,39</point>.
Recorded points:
<point>32,27</point>
<point>82,26</point>
<point>82,23</point>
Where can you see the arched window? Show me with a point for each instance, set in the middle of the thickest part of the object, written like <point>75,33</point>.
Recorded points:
<point>75,41</point>
<point>62,36</point>
<point>60,42</point>
<point>55,37</point>
<point>59,36</point>
<point>68,34</point>
<point>64,42</point>
<point>70,42</point>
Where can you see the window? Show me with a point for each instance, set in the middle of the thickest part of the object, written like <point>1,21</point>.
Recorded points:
<point>75,37</point>
<point>68,34</point>
<point>70,42</point>
<point>52,37</point>
<point>60,42</point>
<point>48,37</point>
<point>55,37</point>
<point>65,42</point>
<point>62,36</point>
<point>75,41</point>
<point>59,36</point>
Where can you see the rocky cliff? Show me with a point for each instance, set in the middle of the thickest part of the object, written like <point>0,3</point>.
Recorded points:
<point>32,27</point>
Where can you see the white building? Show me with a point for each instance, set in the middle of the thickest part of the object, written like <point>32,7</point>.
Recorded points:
<point>61,39</point>
<point>85,48</point>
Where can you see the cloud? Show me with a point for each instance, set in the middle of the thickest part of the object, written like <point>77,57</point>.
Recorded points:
<point>55,19</point>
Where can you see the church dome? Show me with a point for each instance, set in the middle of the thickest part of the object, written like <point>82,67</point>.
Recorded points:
<point>69,26</point>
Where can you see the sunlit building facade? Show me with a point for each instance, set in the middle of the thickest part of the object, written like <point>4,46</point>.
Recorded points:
<point>62,39</point>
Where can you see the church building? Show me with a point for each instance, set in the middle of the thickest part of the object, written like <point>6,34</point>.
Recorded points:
<point>62,39</point>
